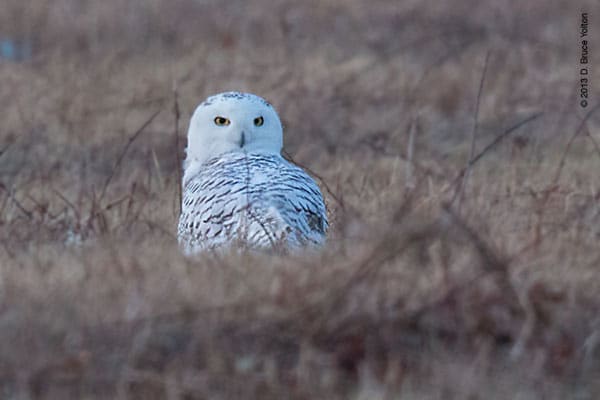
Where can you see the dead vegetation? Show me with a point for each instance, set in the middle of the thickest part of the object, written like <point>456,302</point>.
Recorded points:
<point>461,177</point>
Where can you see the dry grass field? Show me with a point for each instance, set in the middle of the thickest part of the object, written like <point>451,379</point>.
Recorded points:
<point>461,176</point>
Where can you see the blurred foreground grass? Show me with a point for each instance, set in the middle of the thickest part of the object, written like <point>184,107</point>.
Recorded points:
<point>424,290</point>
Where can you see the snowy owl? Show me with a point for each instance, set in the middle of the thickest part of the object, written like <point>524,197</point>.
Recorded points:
<point>237,188</point>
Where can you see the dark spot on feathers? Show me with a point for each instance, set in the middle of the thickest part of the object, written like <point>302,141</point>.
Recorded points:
<point>315,222</point>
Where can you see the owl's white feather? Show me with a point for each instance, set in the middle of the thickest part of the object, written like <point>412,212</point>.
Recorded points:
<point>237,189</point>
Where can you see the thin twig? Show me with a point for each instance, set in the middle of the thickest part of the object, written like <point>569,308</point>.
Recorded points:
<point>27,213</point>
<point>5,148</point>
<point>503,136</point>
<point>414,95</point>
<point>474,131</point>
<point>177,114</point>
<point>490,146</point>
<point>313,173</point>
<point>68,203</point>
<point>554,184</point>
<point>570,142</point>
<point>159,174</point>
<point>594,142</point>
<point>485,250</point>
<point>410,149</point>
<point>124,151</point>
<point>380,254</point>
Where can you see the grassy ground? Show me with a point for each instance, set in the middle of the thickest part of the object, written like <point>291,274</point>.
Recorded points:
<point>438,282</point>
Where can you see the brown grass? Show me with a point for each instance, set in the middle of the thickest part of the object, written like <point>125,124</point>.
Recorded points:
<point>455,269</point>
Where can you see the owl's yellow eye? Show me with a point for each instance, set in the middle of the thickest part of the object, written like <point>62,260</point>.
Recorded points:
<point>221,121</point>
<point>258,121</point>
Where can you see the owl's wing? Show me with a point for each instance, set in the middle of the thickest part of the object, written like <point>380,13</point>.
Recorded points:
<point>301,204</point>
<point>209,211</point>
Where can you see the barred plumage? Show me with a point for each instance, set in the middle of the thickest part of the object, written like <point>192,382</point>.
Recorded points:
<point>241,191</point>
<point>253,200</point>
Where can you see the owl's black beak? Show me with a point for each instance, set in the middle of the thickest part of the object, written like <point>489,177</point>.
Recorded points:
<point>243,140</point>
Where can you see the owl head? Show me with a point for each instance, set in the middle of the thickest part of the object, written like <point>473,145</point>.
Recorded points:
<point>233,122</point>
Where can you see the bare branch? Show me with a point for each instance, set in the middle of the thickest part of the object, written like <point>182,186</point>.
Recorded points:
<point>474,131</point>
<point>124,151</point>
